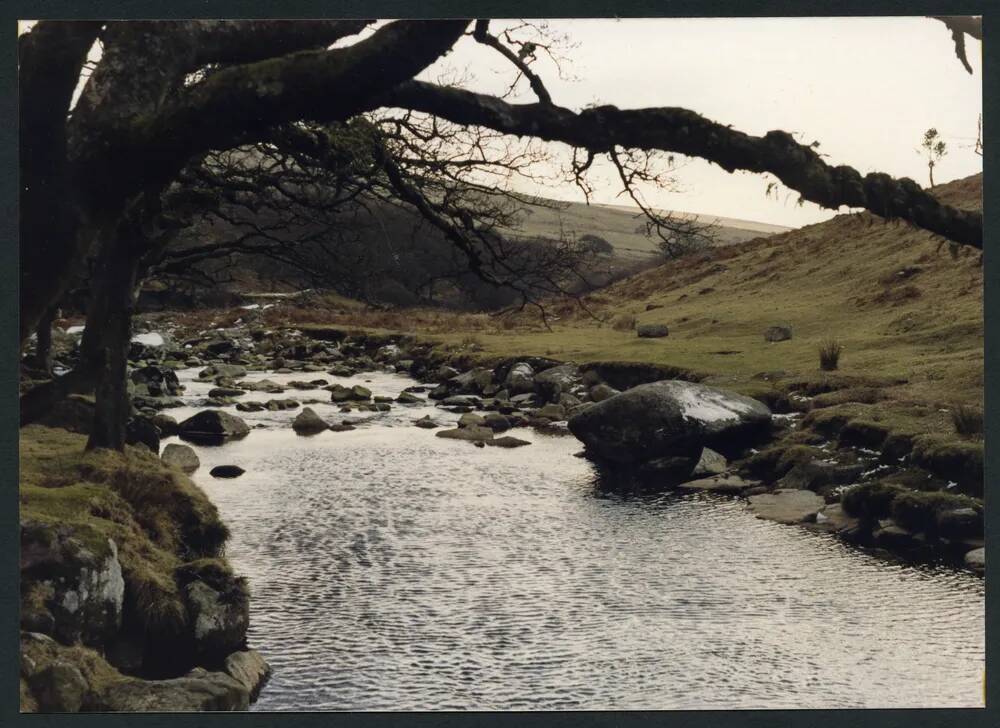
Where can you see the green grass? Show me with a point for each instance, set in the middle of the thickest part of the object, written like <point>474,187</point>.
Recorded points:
<point>157,517</point>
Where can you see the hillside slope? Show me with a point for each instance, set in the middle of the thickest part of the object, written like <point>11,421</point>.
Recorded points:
<point>624,226</point>
<point>906,308</point>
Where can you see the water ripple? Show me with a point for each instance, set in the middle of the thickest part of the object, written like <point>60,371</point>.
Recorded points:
<point>393,570</point>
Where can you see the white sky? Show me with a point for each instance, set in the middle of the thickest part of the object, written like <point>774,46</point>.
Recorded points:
<point>865,88</point>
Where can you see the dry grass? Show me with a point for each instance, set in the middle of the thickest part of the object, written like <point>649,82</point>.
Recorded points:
<point>625,322</point>
<point>968,420</point>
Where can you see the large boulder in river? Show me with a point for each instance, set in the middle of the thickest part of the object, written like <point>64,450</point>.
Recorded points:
<point>670,418</point>
<point>212,427</point>
<point>520,379</point>
<point>232,371</point>
<point>555,381</point>
<point>307,422</point>
<point>159,381</point>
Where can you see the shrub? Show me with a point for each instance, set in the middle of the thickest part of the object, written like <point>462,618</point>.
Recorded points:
<point>472,343</point>
<point>596,244</point>
<point>625,322</point>
<point>829,356</point>
<point>968,420</point>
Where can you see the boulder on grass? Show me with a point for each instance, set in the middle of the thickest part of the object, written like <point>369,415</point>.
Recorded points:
<point>181,456</point>
<point>778,333</point>
<point>652,331</point>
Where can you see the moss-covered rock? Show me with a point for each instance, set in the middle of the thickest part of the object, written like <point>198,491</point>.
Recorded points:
<point>951,458</point>
<point>871,501</point>
<point>920,512</point>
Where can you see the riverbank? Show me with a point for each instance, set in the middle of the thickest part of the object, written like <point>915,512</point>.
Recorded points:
<point>804,473</point>
<point>127,602</point>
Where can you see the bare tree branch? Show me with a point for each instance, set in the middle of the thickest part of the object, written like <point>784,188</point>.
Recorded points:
<point>686,132</point>
<point>960,26</point>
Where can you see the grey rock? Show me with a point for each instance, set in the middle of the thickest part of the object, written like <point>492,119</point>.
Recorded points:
<point>724,483</point>
<point>226,471</point>
<point>86,587</point>
<point>233,371</point>
<point>652,331</point>
<point>212,427</point>
<point>710,463</point>
<point>166,424</point>
<point>199,690</point>
<point>976,559</point>
<point>219,617</point>
<point>786,506</point>
<point>250,669</point>
<point>473,433</point>
<point>520,379</point>
<point>778,333</point>
<point>960,523</point>
<point>507,442</point>
<point>471,420</point>
<point>667,418</point>
<point>181,456</point>
<point>307,422</point>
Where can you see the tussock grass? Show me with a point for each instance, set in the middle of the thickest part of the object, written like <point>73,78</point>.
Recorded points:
<point>829,356</point>
<point>968,420</point>
<point>624,322</point>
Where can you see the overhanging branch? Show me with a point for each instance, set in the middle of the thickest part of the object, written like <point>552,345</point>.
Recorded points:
<point>682,131</point>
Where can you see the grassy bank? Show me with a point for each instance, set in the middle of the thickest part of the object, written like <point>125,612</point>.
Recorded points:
<point>72,504</point>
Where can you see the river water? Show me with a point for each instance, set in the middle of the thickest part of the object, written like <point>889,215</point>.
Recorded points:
<point>395,570</point>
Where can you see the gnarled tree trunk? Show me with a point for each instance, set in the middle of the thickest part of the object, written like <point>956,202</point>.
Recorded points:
<point>114,284</point>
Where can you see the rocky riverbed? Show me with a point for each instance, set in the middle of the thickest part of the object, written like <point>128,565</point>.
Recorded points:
<point>411,491</point>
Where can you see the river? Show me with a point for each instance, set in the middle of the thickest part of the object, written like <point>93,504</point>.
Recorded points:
<point>394,570</point>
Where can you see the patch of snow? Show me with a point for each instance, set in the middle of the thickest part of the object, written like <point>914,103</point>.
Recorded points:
<point>251,307</point>
<point>951,484</point>
<point>74,330</point>
<point>151,339</point>
<point>876,469</point>
<point>709,407</point>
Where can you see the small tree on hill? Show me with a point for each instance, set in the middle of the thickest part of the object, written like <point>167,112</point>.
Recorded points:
<point>935,148</point>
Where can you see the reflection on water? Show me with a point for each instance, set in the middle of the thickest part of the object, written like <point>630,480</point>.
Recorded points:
<point>394,570</point>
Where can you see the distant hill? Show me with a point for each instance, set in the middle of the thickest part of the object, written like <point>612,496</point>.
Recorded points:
<point>389,254</point>
<point>624,227</point>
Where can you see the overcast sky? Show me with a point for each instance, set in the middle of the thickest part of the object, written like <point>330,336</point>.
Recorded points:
<point>865,88</point>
